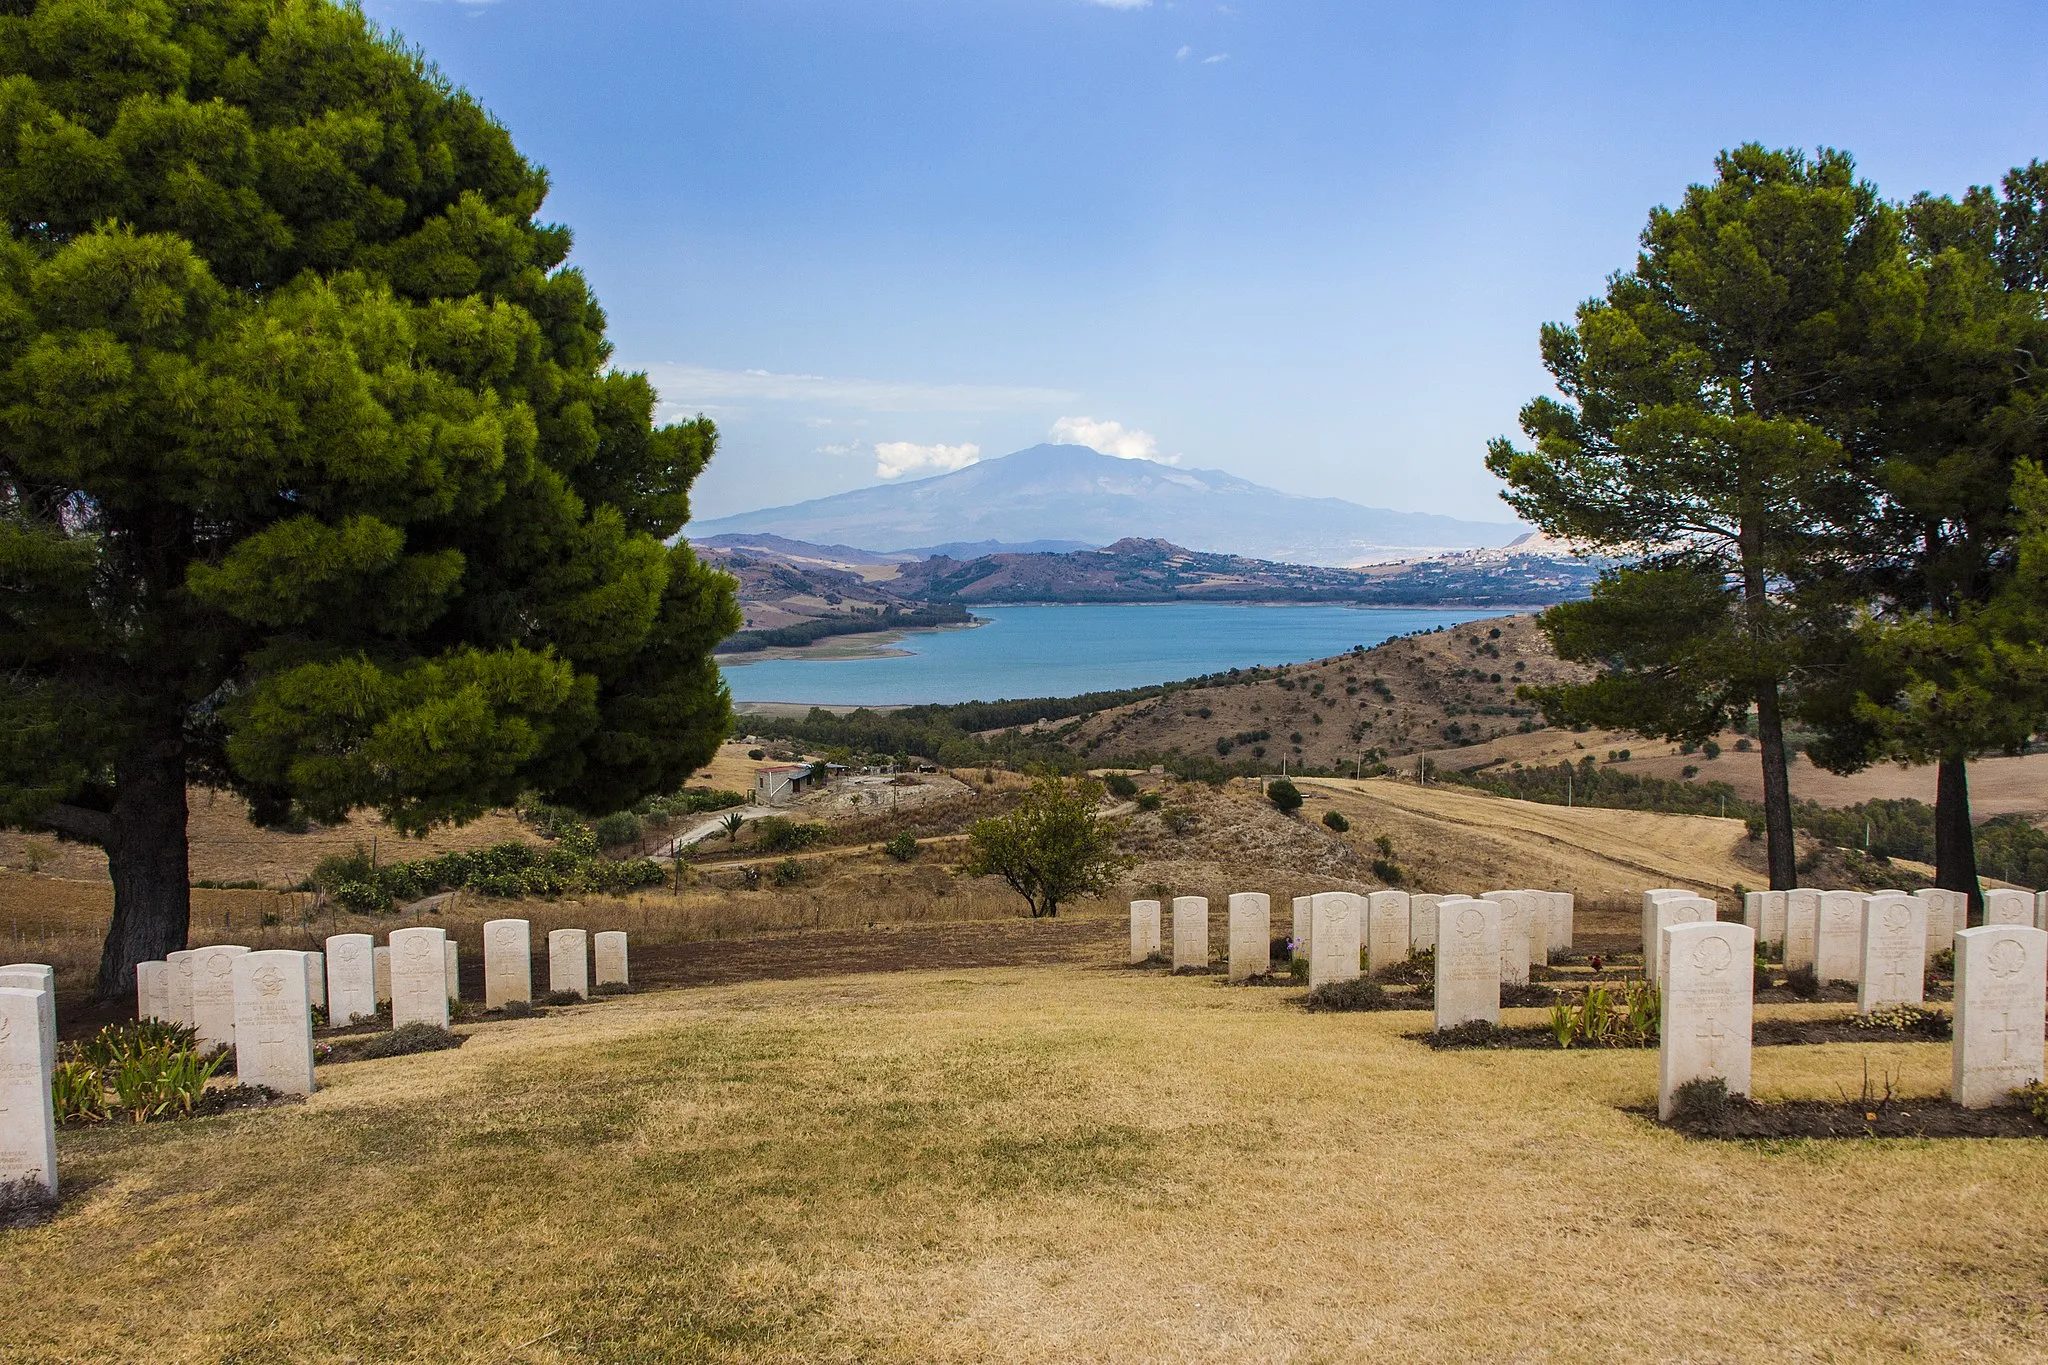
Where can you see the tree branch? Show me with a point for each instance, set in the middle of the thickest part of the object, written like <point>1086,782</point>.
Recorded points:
<point>77,822</point>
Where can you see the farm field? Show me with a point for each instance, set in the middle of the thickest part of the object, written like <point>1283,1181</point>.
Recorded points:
<point>1074,1162</point>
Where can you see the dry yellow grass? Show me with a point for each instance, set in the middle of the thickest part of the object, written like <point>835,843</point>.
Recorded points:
<point>1043,1164</point>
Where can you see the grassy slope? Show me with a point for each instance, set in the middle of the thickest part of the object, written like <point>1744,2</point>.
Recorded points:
<point>1058,1163</point>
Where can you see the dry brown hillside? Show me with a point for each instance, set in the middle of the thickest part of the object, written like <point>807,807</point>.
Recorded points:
<point>1419,693</point>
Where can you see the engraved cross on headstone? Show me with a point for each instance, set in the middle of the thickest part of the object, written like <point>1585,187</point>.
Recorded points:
<point>2005,1033</point>
<point>1711,1037</point>
<point>1895,973</point>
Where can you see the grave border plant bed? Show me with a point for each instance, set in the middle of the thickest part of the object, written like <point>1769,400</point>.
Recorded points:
<point>25,1203</point>
<point>1705,1111</point>
<point>407,1041</point>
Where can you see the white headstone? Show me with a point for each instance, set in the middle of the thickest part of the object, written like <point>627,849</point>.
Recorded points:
<point>1144,929</point>
<point>273,1021</point>
<point>2040,910</point>
<point>1838,947</point>
<point>453,970</point>
<point>609,948</point>
<point>1764,912</point>
<point>569,961</point>
<point>1707,1007</point>
<point>1947,911</point>
<point>1894,957</point>
<point>351,978</point>
<point>1422,921</point>
<point>1302,926</point>
<point>213,994</point>
<point>1514,935</point>
<point>1539,928</point>
<point>1467,961</point>
<point>316,980</point>
<point>1190,931</point>
<point>1802,926</point>
<point>2003,905</point>
<point>1251,934</point>
<point>2001,993</point>
<point>380,965</point>
<point>1334,936</point>
<point>178,986</point>
<point>508,963</point>
<point>1386,928</point>
<point>28,1124</point>
<point>35,976</point>
<point>1562,909</point>
<point>153,990</point>
<point>419,977</point>
<point>1666,912</point>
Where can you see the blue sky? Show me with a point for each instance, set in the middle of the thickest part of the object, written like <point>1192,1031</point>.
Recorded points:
<point>1309,243</point>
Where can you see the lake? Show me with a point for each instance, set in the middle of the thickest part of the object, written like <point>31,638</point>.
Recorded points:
<point>1059,651</point>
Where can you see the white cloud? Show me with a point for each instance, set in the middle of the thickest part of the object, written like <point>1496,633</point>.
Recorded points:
<point>1215,57</point>
<point>1182,55</point>
<point>894,459</point>
<point>691,387</point>
<point>846,449</point>
<point>1111,438</point>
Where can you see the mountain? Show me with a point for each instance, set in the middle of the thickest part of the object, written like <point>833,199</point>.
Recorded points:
<point>1075,494</point>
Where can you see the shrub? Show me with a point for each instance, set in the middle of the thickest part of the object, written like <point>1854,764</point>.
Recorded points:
<point>1285,796</point>
<point>1356,994</point>
<point>1471,1033</point>
<point>1151,801</point>
<point>903,847</point>
<point>778,835</point>
<point>1711,749</point>
<point>1904,1019</point>
<point>1280,950</point>
<point>563,998</point>
<point>757,754</point>
<point>1700,1102</point>
<point>1179,820</point>
<point>1335,820</point>
<point>361,898</point>
<point>1802,982</point>
<point>408,1039</point>
<point>2034,1099</point>
<point>789,872</point>
<point>1761,978</point>
<point>1120,786</point>
<point>517,1009</point>
<point>622,827</point>
<point>1605,1016</point>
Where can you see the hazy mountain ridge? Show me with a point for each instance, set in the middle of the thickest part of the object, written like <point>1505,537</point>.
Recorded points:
<point>1075,494</point>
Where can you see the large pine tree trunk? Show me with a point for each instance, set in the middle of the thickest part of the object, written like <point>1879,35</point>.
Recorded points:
<point>1770,725</point>
<point>1955,841</point>
<point>146,855</point>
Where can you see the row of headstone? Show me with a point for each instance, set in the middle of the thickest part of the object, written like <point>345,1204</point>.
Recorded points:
<point>1331,929</point>
<point>28,1054</point>
<point>1708,1000</point>
<point>508,960</point>
<point>260,1003</point>
<point>1816,928</point>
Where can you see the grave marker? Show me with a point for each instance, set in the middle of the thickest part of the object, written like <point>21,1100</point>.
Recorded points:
<point>1707,1007</point>
<point>1144,929</point>
<point>1562,909</point>
<point>213,994</point>
<point>1386,928</point>
<point>153,990</point>
<point>2001,992</point>
<point>1514,935</point>
<point>453,971</point>
<point>1764,913</point>
<point>1302,927</point>
<point>316,980</point>
<point>1467,961</point>
<point>273,1021</point>
<point>2040,910</point>
<point>1838,947</point>
<point>1539,927</point>
<point>610,950</point>
<point>508,963</point>
<point>1190,931</point>
<point>1802,926</point>
<point>1667,911</point>
<point>35,976</point>
<point>1893,962</point>
<point>178,985</point>
<point>1251,934</point>
<point>419,977</point>
<point>1422,921</point>
<point>1334,933</point>
<point>351,978</point>
<point>569,961</point>
<point>2003,905</point>
<point>1947,911</point>
<point>28,1123</point>
<point>380,964</point>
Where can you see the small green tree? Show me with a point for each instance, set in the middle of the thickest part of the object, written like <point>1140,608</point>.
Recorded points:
<point>1052,848</point>
<point>1285,796</point>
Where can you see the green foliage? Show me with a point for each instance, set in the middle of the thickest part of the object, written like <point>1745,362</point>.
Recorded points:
<point>1912,1019</point>
<point>361,897</point>
<point>1151,801</point>
<point>404,1041</point>
<point>902,847</point>
<point>2033,1098</point>
<point>509,870</point>
<point>618,828</point>
<point>317,484</point>
<point>143,1071</point>
<point>1700,1102</point>
<point>857,622</point>
<point>1050,849</point>
<point>1334,820</point>
<point>790,872</point>
<point>774,834</point>
<point>1606,1016</point>
<point>731,825</point>
<point>1285,796</point>
<point>1120,786</point>
<point>1803,982</point>
<point>1179,820</point>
